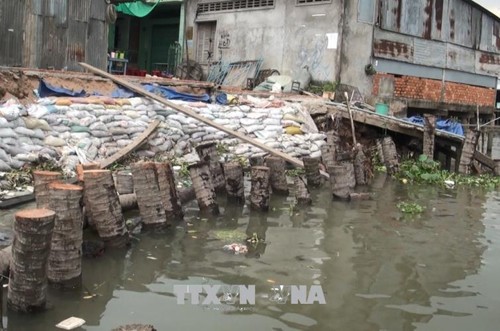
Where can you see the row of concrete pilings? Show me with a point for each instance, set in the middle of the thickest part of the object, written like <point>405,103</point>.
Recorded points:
<point>47,246</point>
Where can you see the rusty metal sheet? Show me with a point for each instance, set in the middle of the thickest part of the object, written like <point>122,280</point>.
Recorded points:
<point>11,32</point>
<point>487,38</point>
<point>96,49</point>
<point>429,52</point>
<point>79,10</point>
<point>460,18</point>
<point>98,10</point>
<point>390,15</point>
<point>437,19</point>
<point>460,58</point>
<point>392,45</point>
<point>487,63</point>
<point>54,44</point>
<point>77,39</point>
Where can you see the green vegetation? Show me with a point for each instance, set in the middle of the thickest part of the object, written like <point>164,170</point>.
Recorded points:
<point>410,207</point>
<point>295,172</point>
<point>230,235</point>
<point>184,171</point>
<point>425,170</point>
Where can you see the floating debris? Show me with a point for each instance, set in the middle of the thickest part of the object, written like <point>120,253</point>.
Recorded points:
<point>236,248</point>
<point>70,323</point>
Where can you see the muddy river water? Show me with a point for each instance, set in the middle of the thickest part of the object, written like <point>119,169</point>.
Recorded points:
<point>378,270</point>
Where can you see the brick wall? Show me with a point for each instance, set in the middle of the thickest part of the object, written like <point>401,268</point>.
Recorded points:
<point>432,90</point>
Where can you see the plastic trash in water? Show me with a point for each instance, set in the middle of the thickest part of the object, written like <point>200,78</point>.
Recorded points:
<point>70,323</point>
<point>236,248</point>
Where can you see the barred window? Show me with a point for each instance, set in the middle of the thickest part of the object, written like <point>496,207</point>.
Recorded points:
<point>308,2</point>
<point>208,7</point>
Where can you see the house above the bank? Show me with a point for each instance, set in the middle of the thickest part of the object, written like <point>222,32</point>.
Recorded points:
<point>420,55</point>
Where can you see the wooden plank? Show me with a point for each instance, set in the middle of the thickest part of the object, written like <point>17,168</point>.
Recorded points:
<point>390,123</point>
<point>192,114</point>
<point>14,201</point>
<point>484,160</point>
<point>132,146</point>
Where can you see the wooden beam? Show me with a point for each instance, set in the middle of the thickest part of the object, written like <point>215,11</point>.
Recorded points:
<point>192,114</point>
<point>484,160</point>
<point>132,146</point>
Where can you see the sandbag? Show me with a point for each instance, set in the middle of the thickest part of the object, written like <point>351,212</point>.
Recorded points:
<point>54,141</point>
<point>35,123</point>
<point>7,133</point>
<point>4,166</point>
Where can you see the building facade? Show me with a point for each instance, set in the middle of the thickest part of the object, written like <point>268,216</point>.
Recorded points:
<point>425,54</point>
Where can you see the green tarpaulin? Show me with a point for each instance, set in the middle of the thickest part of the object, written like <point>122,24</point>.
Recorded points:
<point>139,8</point>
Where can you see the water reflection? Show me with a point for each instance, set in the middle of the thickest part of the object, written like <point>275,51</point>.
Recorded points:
<point>379,270</point>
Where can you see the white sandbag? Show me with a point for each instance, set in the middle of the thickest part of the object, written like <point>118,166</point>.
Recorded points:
<point>4,156</point>
<point>13,149</point>
<point>5,124</point>
<point>60,128</point>
<point>209,116</point>
<point>98,126</point>
<point>222,121</point>
<point>15,164</point>
<point>179,118</point>
<point>10,112</point>
<point>37,111</point>
<point>132,114</point>
<point>122,118</point>
<point>256,115</point>
<point>7,133</point>
<point>273,144</point>
<point>118,131</point>
<point>253,128</point>
<point>173,124</point>
<point>87,121</point>
<point>123,142</point>
<point>54,141</point>
<point>4,166</point>
<point>271,121</point>
<point>79,135</point>
<point>248,121</point>
<point>265,134</point>
<point>274,128</point>
<point>198,135</point>
<point>233,115</point>
<point>315,154</point>
<point>28,157</point>
<point>245,108</point>
<point>157,141</point>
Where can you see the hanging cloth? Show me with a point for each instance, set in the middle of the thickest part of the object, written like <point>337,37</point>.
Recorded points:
<point>138,8</point>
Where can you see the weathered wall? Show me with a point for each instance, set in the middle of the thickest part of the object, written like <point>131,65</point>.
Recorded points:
<point>286,36</point>
<point>450,34</point>
<point>356,44</point>
<point>53,33</point>
<point>407,87</point>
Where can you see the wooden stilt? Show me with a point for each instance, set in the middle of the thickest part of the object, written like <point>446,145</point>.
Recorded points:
<point>128,201</point>
<point>124,181</point>
<point>203,188</point>
<point>105,208</point>
<point>277,167</point>
<point>467,154</point>
<point>328,155</point>
<point>256,161</point>
<point>390,155</point>
<point>301,192</point>
<point>342,180</point>
<point>380,151</point>
<point>208,153</point>
<point>30,251</point>
<point>259,193</point>
<point>41,180</point>
<point>311,166</point>
<point>147,191</point>
<point>360,166</point>
<point>429,130</point>
<point>65,258</point>
<point>235,190</point>
<point>168,192</point>
<point>80,168</point>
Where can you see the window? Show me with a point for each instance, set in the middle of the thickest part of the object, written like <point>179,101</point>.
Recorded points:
<point>366,11</point>
<point>208,7</point>
<point>307,2</point>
